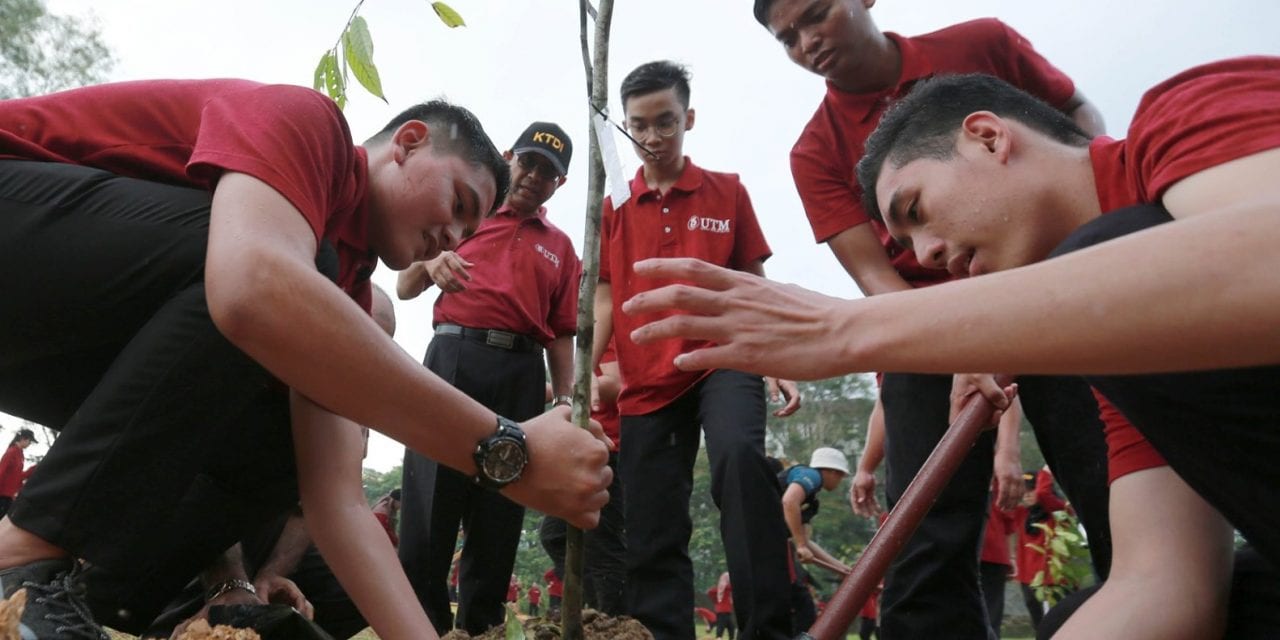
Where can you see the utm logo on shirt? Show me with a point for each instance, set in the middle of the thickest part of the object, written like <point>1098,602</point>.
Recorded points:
<point>553,258</point>
<point>708,224</point>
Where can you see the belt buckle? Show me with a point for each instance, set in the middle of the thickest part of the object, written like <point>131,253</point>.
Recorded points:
<point>500,339</point>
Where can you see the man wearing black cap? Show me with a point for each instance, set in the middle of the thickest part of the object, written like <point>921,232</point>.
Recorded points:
<point>11,474</point>
<point>509,292</point>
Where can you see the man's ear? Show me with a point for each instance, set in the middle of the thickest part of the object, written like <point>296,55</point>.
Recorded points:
<point>507,155</point>
<point>688,119</point>
<point>986,132</point>
<point>413,135</point>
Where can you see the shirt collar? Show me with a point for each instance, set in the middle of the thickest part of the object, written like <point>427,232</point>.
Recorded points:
<point>507,211</point>
<point>915,65</point>
<point>690,179</point>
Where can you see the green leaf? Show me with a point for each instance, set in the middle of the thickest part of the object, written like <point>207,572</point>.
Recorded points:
<point>447,15</point>
<point>514,629</point>
<point>357,45</point>
<point>1059,547</point>
<point>328,79</point>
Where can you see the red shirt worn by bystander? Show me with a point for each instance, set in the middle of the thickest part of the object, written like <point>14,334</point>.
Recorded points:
<point>524,279</point>
<point>705,215</point>
<point>824,157</point>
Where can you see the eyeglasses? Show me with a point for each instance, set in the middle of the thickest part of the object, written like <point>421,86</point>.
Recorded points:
<point>665,128</point>
<point>540,168</point>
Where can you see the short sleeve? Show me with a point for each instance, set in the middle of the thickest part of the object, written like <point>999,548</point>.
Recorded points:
<point>749,244</point>
<point>292,138</point>
<point>832,200</point>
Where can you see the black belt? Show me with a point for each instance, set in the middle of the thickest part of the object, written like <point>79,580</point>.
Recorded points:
<point>492,337</point>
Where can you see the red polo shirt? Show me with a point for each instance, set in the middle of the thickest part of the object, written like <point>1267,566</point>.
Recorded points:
<point>525,278</point>
<point>11,473</point>
<point>823,159</point>
<point>555,587</point>
<point>995,539</point>
<point>705,215</point>
<point>189,132</point>
<point>1198,119</point>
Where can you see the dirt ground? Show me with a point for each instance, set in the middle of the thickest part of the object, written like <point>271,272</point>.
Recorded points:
<point>596,626</point>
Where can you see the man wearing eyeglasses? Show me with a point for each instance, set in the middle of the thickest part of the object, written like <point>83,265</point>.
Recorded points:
<point>680,209</point>
<point>508,293</point>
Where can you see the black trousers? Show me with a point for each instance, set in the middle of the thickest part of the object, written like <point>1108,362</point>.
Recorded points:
<point>931,588</point>
<point>436,499</point>
<point>1064,415</point>
<point>1219,430</point>
<point>993,578</point>
<point>173,444</point>
<point>605,562</point>
<point>658,453</point>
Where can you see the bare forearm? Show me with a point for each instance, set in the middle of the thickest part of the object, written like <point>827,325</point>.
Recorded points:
<point>267,298</point>
<point>859,251</point>
<point>603,307</point>
<point>412,281</point>
<point>1008,433</point>
<point>289,548</point>
<point>228,566</point>
<point>349,537</point>
<point>873,450</point>
<point>1092,311</point>
<point>560,363</point>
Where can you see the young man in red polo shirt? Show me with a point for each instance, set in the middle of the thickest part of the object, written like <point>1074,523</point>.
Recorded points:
<point>972,172</point>
<point>188,237</point>
<point>12,473</point>
<point>679,209</point>
<point>509,292</point>
<point>936,590</point>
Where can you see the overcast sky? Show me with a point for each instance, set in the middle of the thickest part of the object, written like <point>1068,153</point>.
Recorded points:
<point>519,61</point>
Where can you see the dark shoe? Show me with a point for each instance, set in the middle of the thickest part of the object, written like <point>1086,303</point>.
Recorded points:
<point>55,601</point>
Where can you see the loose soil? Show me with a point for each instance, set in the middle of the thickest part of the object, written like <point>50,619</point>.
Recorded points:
<point>595,626</point>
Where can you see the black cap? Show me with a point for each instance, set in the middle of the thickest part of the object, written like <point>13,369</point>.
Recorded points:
<point>27,434</point>
<point>548,139</point>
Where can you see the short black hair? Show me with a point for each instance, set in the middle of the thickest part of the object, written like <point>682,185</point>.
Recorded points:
<point>465,138</point>
<point>762,12</point>
<point>925,123</point>
<point>656,76</point>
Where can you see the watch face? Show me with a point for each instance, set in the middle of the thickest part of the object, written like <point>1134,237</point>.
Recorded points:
<point>505,460</point>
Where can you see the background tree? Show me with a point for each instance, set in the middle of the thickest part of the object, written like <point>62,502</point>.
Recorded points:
<point>41,52</point>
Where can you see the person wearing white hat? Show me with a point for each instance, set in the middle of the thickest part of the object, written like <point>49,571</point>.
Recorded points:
<point>827,468</point>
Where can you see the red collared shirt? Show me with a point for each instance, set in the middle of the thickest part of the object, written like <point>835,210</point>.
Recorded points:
<point>705,215</point>
<point>525,279</point>
<point>11,473</point>
<point>190,132</point>
<point>824,157</point>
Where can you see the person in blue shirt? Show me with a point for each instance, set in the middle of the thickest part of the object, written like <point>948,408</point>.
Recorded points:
<point>827,468</point>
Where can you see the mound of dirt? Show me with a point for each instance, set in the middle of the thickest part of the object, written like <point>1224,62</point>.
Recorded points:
<point>595,626</point>
<point>200,630</point>
<point>11,613</point>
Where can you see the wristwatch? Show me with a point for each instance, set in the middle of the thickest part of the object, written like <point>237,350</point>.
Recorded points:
<point>501,458</point>
<point>227,586</point>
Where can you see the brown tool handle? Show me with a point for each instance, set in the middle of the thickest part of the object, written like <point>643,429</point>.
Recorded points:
<point>905,517</point>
